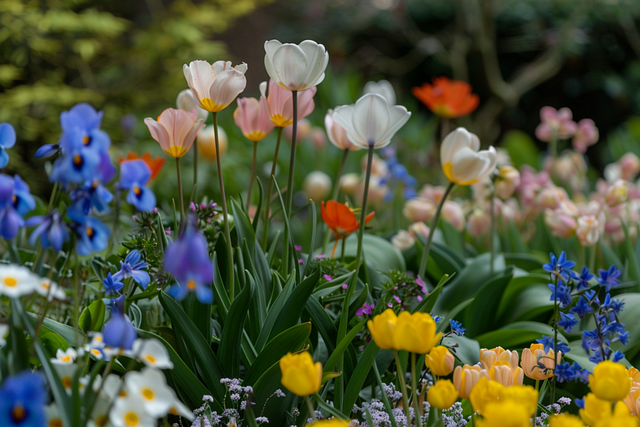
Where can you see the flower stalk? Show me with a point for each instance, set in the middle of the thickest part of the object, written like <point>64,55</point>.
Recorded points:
<point>253,173</point>
<point>432,231</point>
<point>286,263</point>
<point>274,165</point>
<point>414,389</point>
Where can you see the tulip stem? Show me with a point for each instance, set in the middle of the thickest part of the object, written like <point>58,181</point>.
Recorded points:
<point>555,338</point>
<point>227,233</point>
<point>432,231</point>
<point>253,173</point>
<point>312,413</point>
<point>180,191</point>
<point>265,233</point>
<point>405,398</point>
<point>286,262</point>
<point>336,193</point>
<point>414,389</point>
<point>492,229</point>
<point>195,172</point>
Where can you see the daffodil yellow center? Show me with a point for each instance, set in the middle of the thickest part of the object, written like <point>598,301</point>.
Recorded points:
<point>66,359</point>
<point>45,285</point>
<point>176,151</point>
<point>148,394</point>
<point>123,393</point>
<point>11,282</point>
<point>131,419</point>
<point>150,359</point>
<point>95,352</point>
<point>211,106</point>
<point>281,121</point>
<point>86,140</point>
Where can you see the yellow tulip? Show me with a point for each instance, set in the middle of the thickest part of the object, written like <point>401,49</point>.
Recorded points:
<point>466,377</point>
<point>440,361</point>
<point>382,329</point>
<point>618,421</point>
<point>485,392</point>
<point>595,409</point>
<point>565,420</point>
<point>523,394</point>
<point>415,333</point>
<point>535,356</point>
<point>442,394</point>
<point>333,422</point>
<point>505,414</point>
<point>498,354</point>
<point>610,381</point>
<point>300,375</point>
<point>505,375</point>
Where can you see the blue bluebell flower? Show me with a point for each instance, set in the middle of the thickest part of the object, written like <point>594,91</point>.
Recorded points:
<point>118,332</point>
<point>93,235</point>
<point>568,321</point>
<point>397,175</point>
<point>564,372</point>
<point>112,286</point>
<point>591,340</point>
<point>187,259</point>
<point>618,356</point>
<point>457,328</point>
<point>133,267</point>
<point>581,374</point>
<point>7,140</point>
<point>547,342</point>
<point>613,305</point>
<point>582,281</point>
<point>609,278</point>
<point>582,307</point>
<point>561,293</point>
<point>560,267</point>
<point>22,401</point>
<point>579,403</point>
<point>50,228</point>
<point>116,305</point>
<point>15,202</point>
<point>134,176</point>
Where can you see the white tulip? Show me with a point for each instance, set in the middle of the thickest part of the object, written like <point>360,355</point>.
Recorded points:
<point>371,122</point>
<point>384,88</point>
<point>337,134</point>
<point>187,102</point>
<point>403,240</point>
<point>295,67</point>
<point>462,162</point>
<point>317,185</point>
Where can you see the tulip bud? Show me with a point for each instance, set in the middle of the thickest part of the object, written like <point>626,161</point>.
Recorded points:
<point>617,193</point>
<point>478,223</point>
<point>215,86</point>
<point>630,166</point>
<point>466,377</point>
<point>565,420</point>
<point>442,394</point>
<point>318,138</point>
<point>402,241</point>
<point>337,134</point>
<point>317,185</point>
<point>304,128</point>
<point>610,381</point>
<point>187,102</point>
<point>462,162</point>
<point>377,191</point>
<point>419,229</point>
<point>588,231</point>
<point>378,166</point>
<point>489,357</point>
<point>452,213</point>
<point>382,328</point>
<point>415,333</point>
<point>207,144</point>
<point>523,394</point>
<point>560,223</point>
<point>384,88</point>
<point>349,183</point>
<point>586,135</point>
<point>300,375</point>
<point>419,210</point>
<point>295,67</point>
<point>596,409</point>
<point>507,182</point>
<point>505,375</point>
<point>440,361</point>
<point>433,193</point>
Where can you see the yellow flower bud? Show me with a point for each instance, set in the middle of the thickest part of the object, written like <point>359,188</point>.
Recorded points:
<point>415,333</point>
<point>618,421</point>
<point>565,420</point>
<point>498,354</point>
<point>440,361</point>
<point>595,409</point>
<point>382,329</point>
<point>523,394</point>
<point>485,392</point>
<point>505,414</point>
<point>466,377</point>
<point>535,356</point>
<point>505,375</point>
<point>300,375</point>
<point>333,422</point>
<point>610,381</point>
<point>442,394</point>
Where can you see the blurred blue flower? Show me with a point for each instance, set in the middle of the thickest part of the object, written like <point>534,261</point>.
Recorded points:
<point>187,259</point>
<point>83,121</point>
<point>582,281</point>
<point>582,307</point>
<point>118,332</point>
<point>457,328</point>
<point>47,150</point>
<point>51,230</point>
<point>564,372</point>
<point>93,235</point>
<point>22,401</point>
<point>7,140</point>
<point>560,293</point>
<point>15,202</point>
<point>397,175</point>
<point>547,342</point>
<point>112,286</point>
<point>133,267</point>
<point>609,278</point>
<point>134,176</point>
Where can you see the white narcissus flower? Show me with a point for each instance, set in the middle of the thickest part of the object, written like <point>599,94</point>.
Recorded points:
<point>178,408</point>
<point>4,331</point>
<point>371,122</point>
<point>16,281</point>
<point>49,289</point>
<point>151,387</point>
<point>65,357</point>
<point>130,412</point>
<point>384,88</point>
<point>187,102</point>
<point>52,413</point>
<point>152,353</point>
<point>66,372</point>
<point>462,162</point>
<point>215,86</point>
<point>295,66</point>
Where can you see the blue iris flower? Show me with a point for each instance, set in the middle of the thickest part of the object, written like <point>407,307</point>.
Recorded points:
<point>15,202</point>
<point>118,332</point>
<point>133,267</point>
<point>50,228</point>
<point>47,150</point>
<point>7,140</point>
<point>22,400</point>
<point>187,259</point>
<point>93,194</point>
<point>93,235</point>
<point>609,278</point>
<point>134,176</point>
<point>112,286</point>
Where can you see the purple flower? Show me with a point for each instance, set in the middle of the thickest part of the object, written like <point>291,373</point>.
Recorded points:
<point>133,267</point>
<point>112,285</point>
<point>51,230</point>
<point>134,176</point>
<point>327,277</point>
<point>7,140</point>
<point>15,202</point>
<point>365,309</point>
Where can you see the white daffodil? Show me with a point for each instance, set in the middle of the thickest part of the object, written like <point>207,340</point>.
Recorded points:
<point>295,66</point>
<point>187,102</point>
<point>65,357</point>
<point>16,281</point>
<point>130,412</point>
<point>150,385</point>
<point>178,408</point>
<point>152,353</point>
<point>215,86</point>
<point>100,411</point>
<point>462,162</point>
<point>52,413</point>
<point>371,121</point>
<point>384,88</point>
<point>4,331</point>
<point>66,372</point>
<point>49,289</point>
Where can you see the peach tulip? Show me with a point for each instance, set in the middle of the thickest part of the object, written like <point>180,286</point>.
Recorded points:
<point>252,117</point>
<point>175,130</point>
<point>216,85</point>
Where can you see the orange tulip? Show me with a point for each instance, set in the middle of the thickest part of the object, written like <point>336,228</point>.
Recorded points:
<point>341,219</point>
<point>155,164</point>
<point>447,98</point>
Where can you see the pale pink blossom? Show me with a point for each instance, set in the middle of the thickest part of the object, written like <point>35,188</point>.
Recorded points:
<point>337,134</point>
<point>419,210</point>
<point>419,229</point>
<point>433,193</point>
<point>478,223</point>
<point>281,103</point>
<point>617,193</point>
<point>215,86</point>
<point>588,230</point>
<point>452,212</point>
<point>550,197</point>
<point>403,240</point>
<point>175,130</point>
<point>252,117</point>
<point>562,221</point>
<point>318,138</point>
<point>556,124</point>
<point>586,136</point>
<point>303,131</point>
<point>507,181</point>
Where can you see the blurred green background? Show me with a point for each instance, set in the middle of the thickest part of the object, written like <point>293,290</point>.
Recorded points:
<point>125,57</point>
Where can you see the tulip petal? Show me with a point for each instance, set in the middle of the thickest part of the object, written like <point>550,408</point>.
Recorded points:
<point>158,132</point>
<point>371,118</point>
<point>468,165</point>
<point>200,76</point>
<point>455,141</point>
<point>398,116</point>
<point>290,65</point>
<point>227,87</point>
<point>317,60</point>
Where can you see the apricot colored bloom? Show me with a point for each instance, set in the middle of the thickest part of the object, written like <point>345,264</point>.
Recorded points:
<point>498,354</point>
<point>175,130</point>
<point>462,161</point>
<point>466,377</point>
<point>300,375</point>
<point>207,143</point>
<point>565,420</point>
<point>505,414</point>
<point>442,394</point>
<point>215,86</point>
<point>155,164</point>
<point>610,381</point>
<point>340,218</point>
<point>280,103</point>
<point>252,117</point>
<point>333,422</point>
<point>447,98</point>
<point>505,374</point>
<point>440,361</point>
<point>633,399</point>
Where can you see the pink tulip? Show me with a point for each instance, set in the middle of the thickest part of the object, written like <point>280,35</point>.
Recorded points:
<point>281,103</point>
<point>175,130</point>
<point>630,166</point>
<point>478,223</point>
<point>586,136</point>
<point>556,124</point>
<point>337,134</point>
<point>588,230</point>
<point>453,214</point>
<point>433,193</point>
<point>252,117</point>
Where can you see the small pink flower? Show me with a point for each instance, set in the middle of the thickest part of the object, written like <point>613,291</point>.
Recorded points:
<point>556,124</point>
<point>300,261</point>
<point>345,286</point>
<point>253,118</point>
<point>586,136</point>
<point>280,103</point>
<point>297,247</point>
<point>327,277</point>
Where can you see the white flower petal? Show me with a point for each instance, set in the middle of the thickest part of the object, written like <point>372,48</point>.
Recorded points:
<point>455,141</point>
<point>290,66</point>
<point>317,59</point>
<point>384,88</point>
<point>371,118</point>
<point>398,116</point>
<point>227,87</point>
